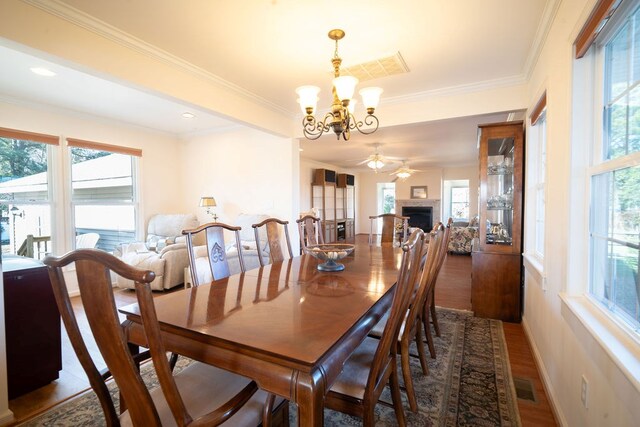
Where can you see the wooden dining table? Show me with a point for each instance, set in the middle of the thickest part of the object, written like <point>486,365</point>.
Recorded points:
<point>287,325</point>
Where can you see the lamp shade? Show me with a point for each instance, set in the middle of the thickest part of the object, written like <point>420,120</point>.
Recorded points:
<point>345,86</point>
<point>370,96</point>
<point>308,97</point>
<point>207,202</point>
<point>352,105</point>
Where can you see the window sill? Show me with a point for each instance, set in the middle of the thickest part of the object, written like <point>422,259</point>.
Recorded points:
<point>587,320</point>
<point>534,267</point>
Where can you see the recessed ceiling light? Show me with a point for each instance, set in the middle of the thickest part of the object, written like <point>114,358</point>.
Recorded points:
<point>188,115</point>
<point>41,71</point>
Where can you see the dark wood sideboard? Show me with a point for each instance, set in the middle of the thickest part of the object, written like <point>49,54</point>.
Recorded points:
<point>32,325</point>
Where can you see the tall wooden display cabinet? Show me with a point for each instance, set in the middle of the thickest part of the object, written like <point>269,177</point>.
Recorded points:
<point>496,282</point>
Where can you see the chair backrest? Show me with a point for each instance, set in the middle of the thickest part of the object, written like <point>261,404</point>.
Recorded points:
<point>93,270</point>
<point>273,239</point>
<point>403,290</point>
<point>94,282</point>
<point>87,240</point>
<point>388,227</point>
<point>215,254</point>
<point>310,231</point>
<point>428,274</point>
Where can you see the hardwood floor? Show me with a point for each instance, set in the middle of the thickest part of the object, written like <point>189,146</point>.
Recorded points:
<point>453,290</point>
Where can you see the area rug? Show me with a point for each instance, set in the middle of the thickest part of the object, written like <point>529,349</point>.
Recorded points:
<point>469,384</point>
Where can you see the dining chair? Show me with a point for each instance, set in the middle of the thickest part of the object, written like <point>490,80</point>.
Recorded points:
<point>198,394</point>
<point>310,231</point>
<point>272,228</point>
<point>429,313</point>
<point>209,262</point>
<point>411,328</point>
<point>217,268</point>
<point>372,365</point>
<point>389,222</point>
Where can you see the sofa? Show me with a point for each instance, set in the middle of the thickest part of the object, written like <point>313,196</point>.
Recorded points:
<point>462,235</point>
<point>247,242</point>
<point>164,251</point>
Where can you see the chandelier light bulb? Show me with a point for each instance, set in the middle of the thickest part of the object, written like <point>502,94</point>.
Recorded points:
<point>345,87</point>
<point>370,97</point>
<point>352,105</point>
<point>308,98</point>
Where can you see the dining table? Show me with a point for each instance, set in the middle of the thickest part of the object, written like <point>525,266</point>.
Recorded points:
<point>286,325</point>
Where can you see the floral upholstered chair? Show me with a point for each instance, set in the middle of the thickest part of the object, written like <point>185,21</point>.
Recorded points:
<point>462,234</point>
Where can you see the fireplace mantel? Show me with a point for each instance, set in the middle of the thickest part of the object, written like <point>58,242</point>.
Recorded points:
<point>433,203</point>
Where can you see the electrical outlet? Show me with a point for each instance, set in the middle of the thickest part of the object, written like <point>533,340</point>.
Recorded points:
<point>583,391</point>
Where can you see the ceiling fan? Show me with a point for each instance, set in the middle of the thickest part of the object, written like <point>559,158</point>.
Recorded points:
<point>403,172</point>
<point>376,161</point>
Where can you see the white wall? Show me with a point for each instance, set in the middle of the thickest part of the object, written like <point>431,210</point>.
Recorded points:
<point>565,348</point>
<point>247,171</point>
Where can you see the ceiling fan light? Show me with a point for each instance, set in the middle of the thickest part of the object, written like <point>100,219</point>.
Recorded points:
<point>345,87</point>
<point>403,174</point>
<point>371,97</point>
<point>308,98</point>
<point>375,164</point>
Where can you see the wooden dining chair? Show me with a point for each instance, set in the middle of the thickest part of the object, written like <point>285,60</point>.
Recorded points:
<point>372,365</point>
<point>198,394</point>
<point>389,221</point>
<point>411,328</point>
<point>429,314</point>
<point>310,231</point>
<point>272,228</point>
<point>217,268</point>
<point>209,262</point>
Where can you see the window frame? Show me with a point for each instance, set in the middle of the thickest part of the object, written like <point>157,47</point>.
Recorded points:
<point>135,184</point>
<point>451,202</point>
<point>595,160</point>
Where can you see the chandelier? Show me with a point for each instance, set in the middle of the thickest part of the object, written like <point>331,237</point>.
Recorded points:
<point>340,119</point>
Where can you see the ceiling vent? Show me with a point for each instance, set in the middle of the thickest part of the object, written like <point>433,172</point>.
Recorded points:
<point>377,68</point>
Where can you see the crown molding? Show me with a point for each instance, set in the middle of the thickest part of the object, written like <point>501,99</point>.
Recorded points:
<point>457,90</point>
<point>548,16</point>
<point>103,29</point>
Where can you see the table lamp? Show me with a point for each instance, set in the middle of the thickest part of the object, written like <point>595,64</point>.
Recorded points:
<point>209,202</point>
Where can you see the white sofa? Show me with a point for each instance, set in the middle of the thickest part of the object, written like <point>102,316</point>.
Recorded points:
<point>164,251</point>
<point>249,249</point>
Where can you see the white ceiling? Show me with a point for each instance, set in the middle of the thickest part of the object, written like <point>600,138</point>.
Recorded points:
<point>269,47</point>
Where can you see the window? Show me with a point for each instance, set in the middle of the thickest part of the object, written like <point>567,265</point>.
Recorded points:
<point>103,193</point>
<point>536,178</point>
<point>387,198</point>
<point>460,203</point>
<point>614,225</point>
<point>25,193</point>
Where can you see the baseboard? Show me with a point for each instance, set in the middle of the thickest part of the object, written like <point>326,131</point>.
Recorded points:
<point>546,382</point>
<point>6,417</point>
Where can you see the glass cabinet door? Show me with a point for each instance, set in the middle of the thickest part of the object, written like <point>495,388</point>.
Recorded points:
<point>499,199</point>
<point>501,167</point>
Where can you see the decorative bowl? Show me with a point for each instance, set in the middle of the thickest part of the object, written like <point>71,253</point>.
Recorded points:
<point>330,253</point>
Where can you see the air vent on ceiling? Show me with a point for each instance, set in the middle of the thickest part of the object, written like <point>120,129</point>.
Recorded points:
<point>377,68</point>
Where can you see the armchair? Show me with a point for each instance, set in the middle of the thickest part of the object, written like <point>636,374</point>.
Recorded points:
<point>164,251</point>
<point>462,234</point>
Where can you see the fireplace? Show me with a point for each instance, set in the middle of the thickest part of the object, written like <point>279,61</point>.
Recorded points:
<point>419,216</point>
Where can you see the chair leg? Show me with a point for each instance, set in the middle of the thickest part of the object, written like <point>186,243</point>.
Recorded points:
<point>396,398</point>
<point>173,360</point>
<point>434,316</point>
<point>406,375</point>
<point>427,330</point>
<point>268,409</point>
<point>421,354</point>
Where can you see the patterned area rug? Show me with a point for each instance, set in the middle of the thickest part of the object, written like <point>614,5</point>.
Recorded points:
<point>469,384</point>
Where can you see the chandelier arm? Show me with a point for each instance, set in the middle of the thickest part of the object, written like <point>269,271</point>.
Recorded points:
<point>369,120</point>
<point>313,129</point>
